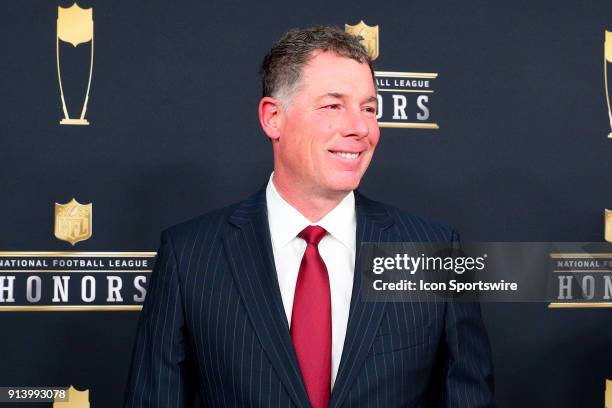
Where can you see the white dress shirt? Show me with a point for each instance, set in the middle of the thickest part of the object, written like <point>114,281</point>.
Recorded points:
<point>337,249</point>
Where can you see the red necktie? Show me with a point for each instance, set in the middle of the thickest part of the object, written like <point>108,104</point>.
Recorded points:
<point>311,328</point>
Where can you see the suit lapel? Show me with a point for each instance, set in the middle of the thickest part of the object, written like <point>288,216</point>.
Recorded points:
<point>364,317</point>
<point>251,259</point>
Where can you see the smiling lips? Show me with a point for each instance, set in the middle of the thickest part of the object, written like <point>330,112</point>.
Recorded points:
<point>346,155</point>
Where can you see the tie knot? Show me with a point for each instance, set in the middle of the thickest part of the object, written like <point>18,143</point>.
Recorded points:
<point>313,234</point>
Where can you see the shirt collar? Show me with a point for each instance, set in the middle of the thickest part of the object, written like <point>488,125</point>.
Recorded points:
<point>286,222</point>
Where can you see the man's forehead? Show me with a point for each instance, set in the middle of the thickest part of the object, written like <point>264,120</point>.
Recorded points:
<point>340,95</point>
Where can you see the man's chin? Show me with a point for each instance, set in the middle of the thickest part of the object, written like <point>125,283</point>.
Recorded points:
<point>342,187</point>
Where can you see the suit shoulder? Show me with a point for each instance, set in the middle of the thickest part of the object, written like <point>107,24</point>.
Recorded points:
<point>416,226</point>
<point>440,230</point>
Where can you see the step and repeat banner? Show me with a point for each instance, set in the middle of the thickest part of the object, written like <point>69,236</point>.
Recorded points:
<point>120,119</point>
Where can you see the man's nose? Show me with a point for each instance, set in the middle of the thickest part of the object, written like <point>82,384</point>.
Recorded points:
<point>356,124</point>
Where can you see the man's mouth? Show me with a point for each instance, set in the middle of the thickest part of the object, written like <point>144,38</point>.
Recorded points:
<point>346,155</point>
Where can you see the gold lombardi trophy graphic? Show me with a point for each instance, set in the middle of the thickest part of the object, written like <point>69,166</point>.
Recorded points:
<point>608,58</point>
<point>76,399</point>
<point>74,26</point>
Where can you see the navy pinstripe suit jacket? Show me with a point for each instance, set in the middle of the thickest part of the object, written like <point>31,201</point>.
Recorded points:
<point>213,325</point>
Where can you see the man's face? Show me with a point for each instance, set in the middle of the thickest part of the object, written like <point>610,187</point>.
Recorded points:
<point>329,131</point>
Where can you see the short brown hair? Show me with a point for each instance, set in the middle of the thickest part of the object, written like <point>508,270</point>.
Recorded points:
<point>281,69</point>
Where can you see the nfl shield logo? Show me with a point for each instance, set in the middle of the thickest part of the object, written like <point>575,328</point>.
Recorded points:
<point>608,227</point>
<point>73,221</point>
<point>369,36</point>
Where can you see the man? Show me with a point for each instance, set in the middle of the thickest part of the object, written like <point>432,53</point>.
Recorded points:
<point>257,305</point>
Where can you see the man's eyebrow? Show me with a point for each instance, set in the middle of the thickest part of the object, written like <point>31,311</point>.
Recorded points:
<point>341,96</point>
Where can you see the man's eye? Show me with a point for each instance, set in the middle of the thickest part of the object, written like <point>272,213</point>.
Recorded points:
<point>334,106</point>
<point>370,109</point>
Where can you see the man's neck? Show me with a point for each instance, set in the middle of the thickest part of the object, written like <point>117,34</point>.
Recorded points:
<point>311,204</point>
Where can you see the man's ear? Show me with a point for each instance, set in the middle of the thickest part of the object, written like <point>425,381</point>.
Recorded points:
<point>271,116</point>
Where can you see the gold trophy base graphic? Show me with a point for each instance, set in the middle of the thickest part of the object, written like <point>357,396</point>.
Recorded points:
<point>86,122</point>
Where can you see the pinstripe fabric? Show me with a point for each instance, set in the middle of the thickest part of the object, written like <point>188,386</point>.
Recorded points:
<point>213,323</point>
